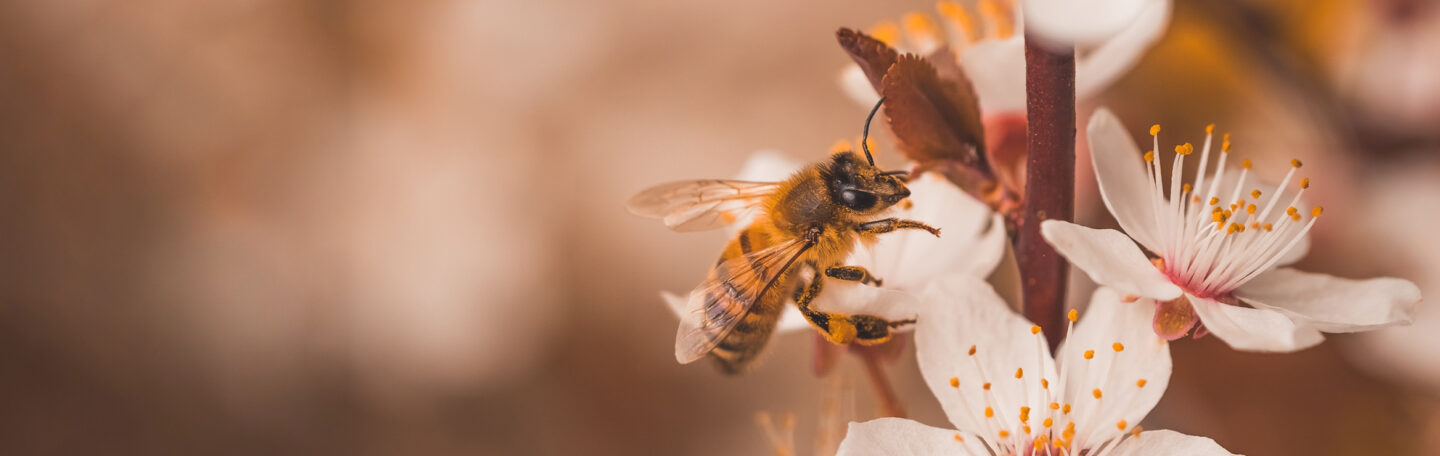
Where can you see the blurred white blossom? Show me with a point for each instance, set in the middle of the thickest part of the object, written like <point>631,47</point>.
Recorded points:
<point>1109,38</point>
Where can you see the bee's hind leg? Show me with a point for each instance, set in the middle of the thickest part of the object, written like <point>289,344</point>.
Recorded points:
<point>853,274</point>
<point>843,329</point>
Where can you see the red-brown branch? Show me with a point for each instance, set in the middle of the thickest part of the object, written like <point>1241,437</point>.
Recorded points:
<point>1049,184</point>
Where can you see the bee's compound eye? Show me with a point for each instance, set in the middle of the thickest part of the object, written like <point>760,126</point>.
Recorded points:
<point>856,199</point>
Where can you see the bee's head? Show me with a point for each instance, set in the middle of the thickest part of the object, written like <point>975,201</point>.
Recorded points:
<point>857,184</point>
<point>860,186</point>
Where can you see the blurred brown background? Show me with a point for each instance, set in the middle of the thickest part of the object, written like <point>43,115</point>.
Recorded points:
<point>363,227</point>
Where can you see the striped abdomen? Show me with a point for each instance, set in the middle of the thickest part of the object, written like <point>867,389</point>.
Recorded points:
<point>744,343</point>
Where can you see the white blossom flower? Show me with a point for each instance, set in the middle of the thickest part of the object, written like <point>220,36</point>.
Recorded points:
<point>1110,39</point>
<point>1006,395</point>
<point>1217,246</point>
<point>972,242</point>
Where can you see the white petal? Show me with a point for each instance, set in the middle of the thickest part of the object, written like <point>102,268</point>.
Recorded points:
<point>1120,171</point>
<point>1080,22</point>
<point>1109,258</point>
<point>902,436</point>
<point>1144,356</point>
<point>768,166</point>
<point>1333,304</point>
<point>857,86</point>
<point>997,69</point>
<point>1169,443</point>
<point>1111,59</point>
<point>790,318</point>
<point>959,312</point>
<point>850,298</point>
<point>675,302</point>
<point>1260,330</point>
<point>910,259</point>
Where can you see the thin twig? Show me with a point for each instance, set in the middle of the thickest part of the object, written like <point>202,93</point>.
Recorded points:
<point>890,404</point>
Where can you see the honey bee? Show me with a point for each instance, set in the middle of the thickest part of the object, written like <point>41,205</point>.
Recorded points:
<point>809,222</point>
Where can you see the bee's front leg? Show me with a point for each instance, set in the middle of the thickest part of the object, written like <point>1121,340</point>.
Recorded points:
<point>853,274</point>
<point>892,224</point>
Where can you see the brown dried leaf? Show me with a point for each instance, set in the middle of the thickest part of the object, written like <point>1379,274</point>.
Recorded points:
<point>933,119</point>
<point>873,56</point>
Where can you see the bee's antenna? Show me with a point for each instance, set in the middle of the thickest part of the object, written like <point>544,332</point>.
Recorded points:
<point>865,139</point>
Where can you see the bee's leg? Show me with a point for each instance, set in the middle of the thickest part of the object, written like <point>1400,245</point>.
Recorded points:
<point>853,274</point>
<point>892,224</point>
<point>843,329</point>
<point>837,328</point>
<point>872,330</point>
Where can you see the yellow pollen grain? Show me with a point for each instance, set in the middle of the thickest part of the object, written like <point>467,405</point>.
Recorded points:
<point>989,412</point>
<point>1269,226</point>
<point>1214,200</point>
<point>1250,209</point>
<point>1122,425</point>
<point>1027,429</point>
<point>1096,393</point>
<point>1065,409</point>
<point>887,32</point>
<point>1255,193</point>
<point>1048,422</point>
<point>1054,406</point>
<point>1304,182</point>
<point>1039,445</point>
<point>1119,347</point>
<point>1035,329</point>
<point>1089,354</point>
<point>959,438</point>
<point>1185,149</point>
<point>972,350</point>
<point>1316,211</point>
<point>1045,383</point>
<point>1004,434</point>
<point>1149,156</point>
<point>954,382</point>
<point>1295,217</point>
<point>1291,210</point>
<point>1136,432</point>
<point>1296,163</point>
<point>1073,315</point>
<point>1019,372</point>
<point>1245,163</point>
<point>1210,129</point>
<point>1024,414</point>
<point>1154,129</point>
<point>1140,383</point>
<point>1185,188</point>
<point>1225,145</point>
<point>986,386</point>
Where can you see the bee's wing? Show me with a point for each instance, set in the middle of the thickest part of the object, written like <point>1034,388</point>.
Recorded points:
<point>734,286</point>
<point>700,205</point>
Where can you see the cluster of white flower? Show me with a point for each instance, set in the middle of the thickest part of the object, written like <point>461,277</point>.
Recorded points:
<point>1195,257</point>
